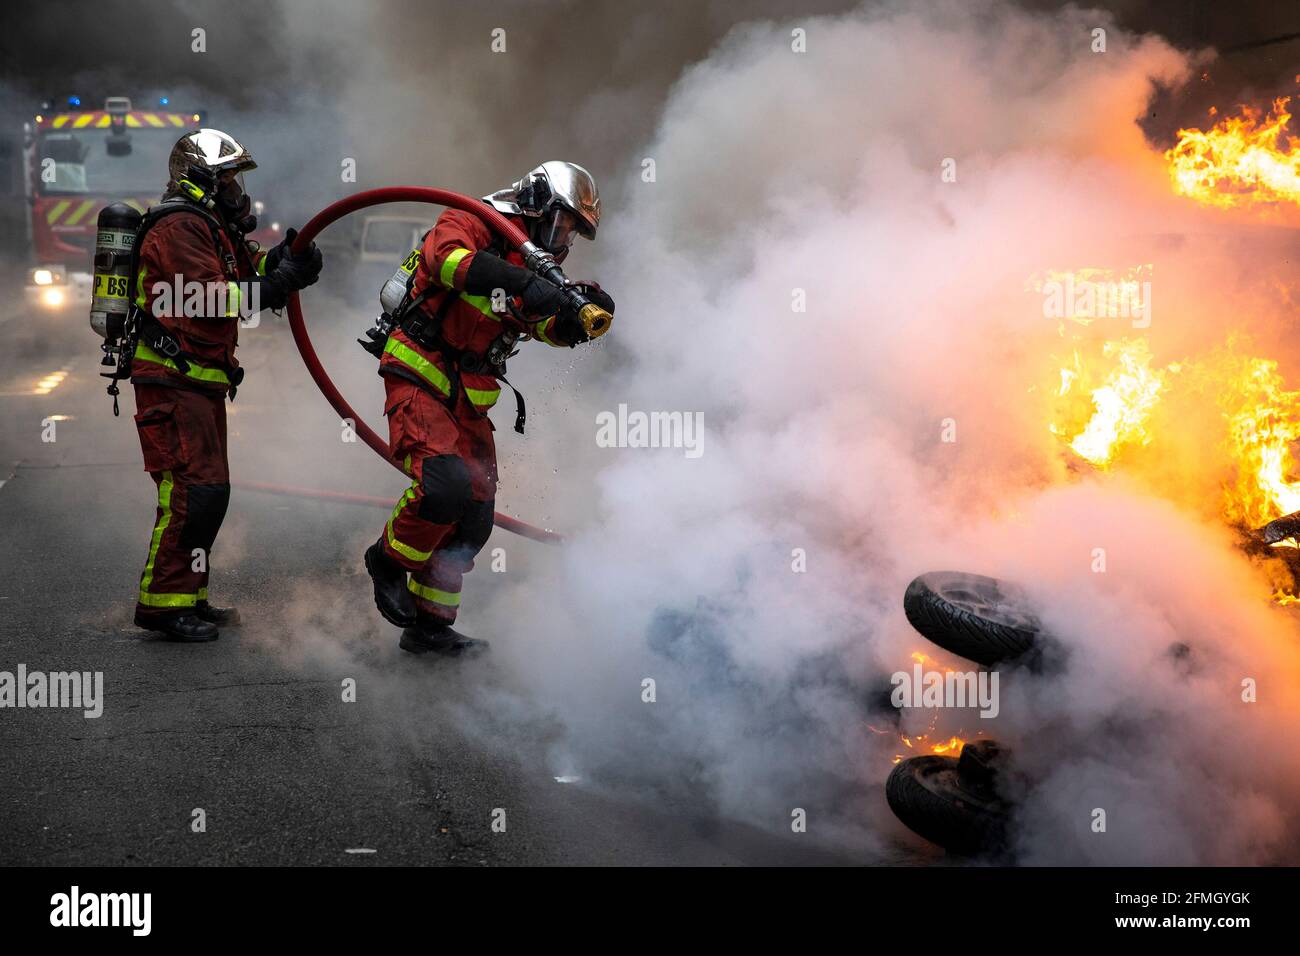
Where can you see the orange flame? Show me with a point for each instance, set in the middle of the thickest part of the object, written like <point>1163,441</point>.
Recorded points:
<point>944,748</point>
<point>1240,161</point>
<point>1260,416</point>
<point>1263,421</point>
<point>1105,412</point>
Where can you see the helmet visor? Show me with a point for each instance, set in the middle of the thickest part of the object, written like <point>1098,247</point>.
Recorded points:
<point>230,186</point>
<point>557,229</point>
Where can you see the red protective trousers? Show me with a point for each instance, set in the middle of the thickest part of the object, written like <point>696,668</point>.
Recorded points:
<point>183,437</point>
<point>443,520</point>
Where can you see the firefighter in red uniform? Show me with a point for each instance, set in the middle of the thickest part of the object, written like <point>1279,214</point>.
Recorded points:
<point>468,304</point>
<point>184,364</point>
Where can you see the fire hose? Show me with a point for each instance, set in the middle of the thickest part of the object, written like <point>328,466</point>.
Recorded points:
<point>594,319</point>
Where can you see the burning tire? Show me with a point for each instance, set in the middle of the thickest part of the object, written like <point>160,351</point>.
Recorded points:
<point>952,801</point>
<point>978,618</point>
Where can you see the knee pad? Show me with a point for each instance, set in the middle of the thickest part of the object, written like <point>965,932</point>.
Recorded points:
<point>476,526</point>
<point>205,510</point>
<point>445,484</point>
<point>472,532</point>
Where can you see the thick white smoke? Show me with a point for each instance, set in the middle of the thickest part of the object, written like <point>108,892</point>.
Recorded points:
<point>779,171</point>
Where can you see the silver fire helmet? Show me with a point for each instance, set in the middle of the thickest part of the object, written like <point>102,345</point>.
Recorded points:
<point>203,155</point>
<point>561,197</point>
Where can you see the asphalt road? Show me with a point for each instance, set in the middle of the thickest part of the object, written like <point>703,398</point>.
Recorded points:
<point>253,729</point>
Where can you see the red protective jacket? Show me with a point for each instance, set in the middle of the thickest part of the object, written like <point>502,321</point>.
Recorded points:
<point>469,323</point>
<point>180,247</point>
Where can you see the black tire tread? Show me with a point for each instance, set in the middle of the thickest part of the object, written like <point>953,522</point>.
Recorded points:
<point>957,827</point>
<point>960,631</point>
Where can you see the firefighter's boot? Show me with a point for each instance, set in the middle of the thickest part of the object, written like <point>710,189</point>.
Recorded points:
<point>391,596</point>
<point>437,637</point>
<point>220,616</point>
<point>184,628</point>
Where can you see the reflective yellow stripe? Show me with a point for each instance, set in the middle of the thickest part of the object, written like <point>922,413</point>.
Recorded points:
<point>197,372</point>
<point>434,375</point>
<point>400,547</point>
<point>132,120</point>
<point>261,264</point>
<point>139,288</point>
<point>165,506</point>
<point>168,600</point>
<point>483,397</point>
<point>407,495</point>
<point>103,121</point>
<point>153,120</point>
<point>59,208</point>
<point>60,121</point>
<point>405,550</point>
<point>483,303</point>
<point>448,271</point>
<point>232,299</point>
<point>433,595</point>
<point>76,217</point>
<point>419,365</point>
<point>81,121</point>
<point>539,333</point>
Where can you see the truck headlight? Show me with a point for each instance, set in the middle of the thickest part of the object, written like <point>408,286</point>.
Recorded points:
<point>52,298</point>
<point>43,277</point>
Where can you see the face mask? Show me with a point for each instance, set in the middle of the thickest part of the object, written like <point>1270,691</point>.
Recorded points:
<point>555,232</point>
<point>236,205</point>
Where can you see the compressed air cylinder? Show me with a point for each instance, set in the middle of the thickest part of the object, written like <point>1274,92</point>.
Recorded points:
<point>114,236</point>
<point>394,290</point>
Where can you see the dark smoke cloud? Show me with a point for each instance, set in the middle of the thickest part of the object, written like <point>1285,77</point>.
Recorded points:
<point>412,90</point>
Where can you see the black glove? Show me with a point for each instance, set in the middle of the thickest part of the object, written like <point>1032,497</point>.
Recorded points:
<point>278,252</point>
<point>541,297</point>
<point>569,329</point>
<point>592,292</point>
<point>297,270</point>
<point>310,259</point>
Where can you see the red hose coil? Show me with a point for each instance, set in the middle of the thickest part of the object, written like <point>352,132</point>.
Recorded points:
<point>378,197</point>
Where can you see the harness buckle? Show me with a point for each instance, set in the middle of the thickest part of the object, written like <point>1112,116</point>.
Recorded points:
<point>167,345</point>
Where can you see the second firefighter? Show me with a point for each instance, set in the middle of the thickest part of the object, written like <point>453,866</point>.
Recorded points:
<point>468,302</point>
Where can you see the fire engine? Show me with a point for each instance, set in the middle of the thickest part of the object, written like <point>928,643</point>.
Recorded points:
<point>75,162</point>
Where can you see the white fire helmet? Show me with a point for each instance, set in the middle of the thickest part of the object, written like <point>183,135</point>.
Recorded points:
<point>203,155</point>
<point>560,198</point>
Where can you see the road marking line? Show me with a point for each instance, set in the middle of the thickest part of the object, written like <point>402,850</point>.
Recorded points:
<point>360,849</point>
